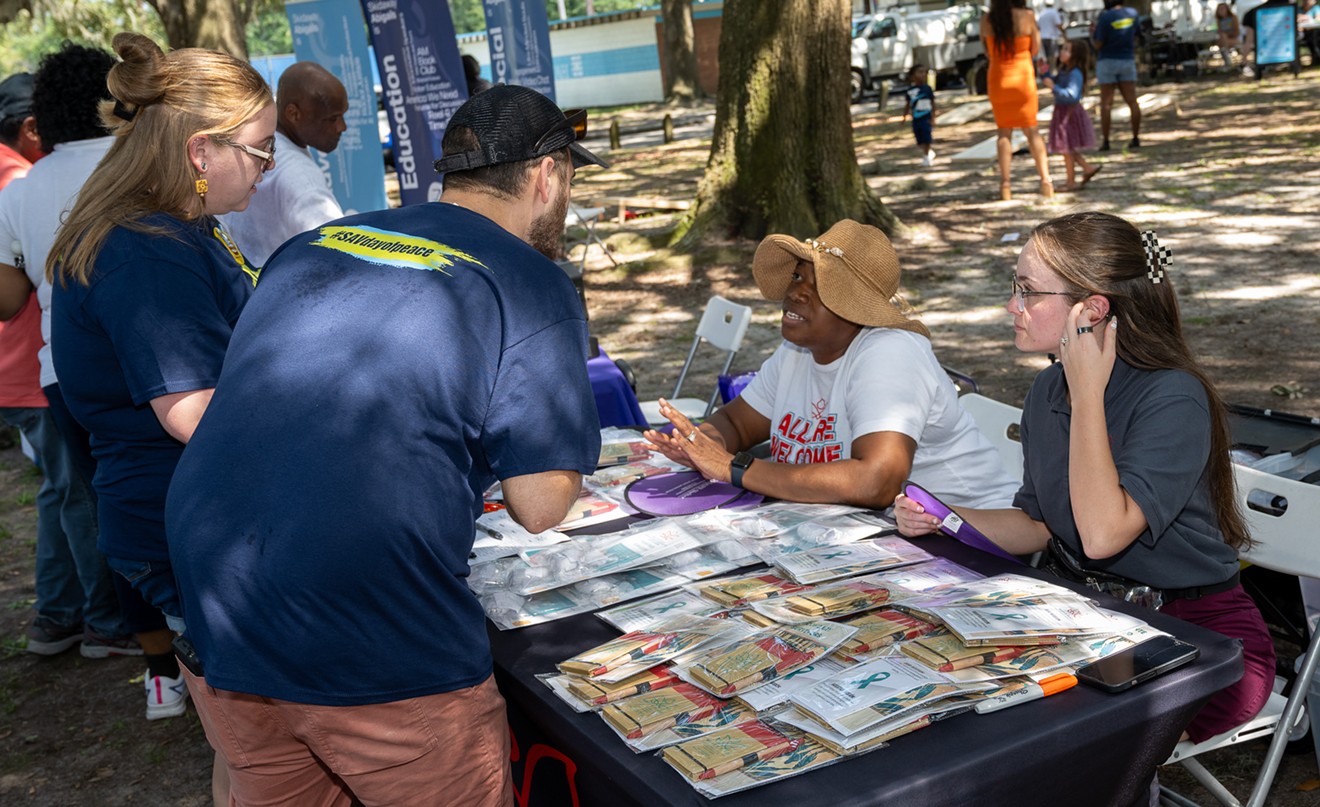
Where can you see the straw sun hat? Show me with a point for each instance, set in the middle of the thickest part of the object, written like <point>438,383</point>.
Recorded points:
<point>856,273</point>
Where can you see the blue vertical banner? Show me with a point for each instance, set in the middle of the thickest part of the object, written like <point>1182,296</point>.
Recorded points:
<point>519,36</point>
<point>421,77</point>
<point>333,34</point>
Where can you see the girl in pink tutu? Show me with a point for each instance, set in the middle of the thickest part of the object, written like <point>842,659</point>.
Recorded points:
<point>1071,131</point>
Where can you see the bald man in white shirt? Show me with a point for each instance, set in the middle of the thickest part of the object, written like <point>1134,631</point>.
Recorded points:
<point>295,195</point>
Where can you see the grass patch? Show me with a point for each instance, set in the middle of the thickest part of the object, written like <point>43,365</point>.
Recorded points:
<point>156,755</point>
<point>15,762</point>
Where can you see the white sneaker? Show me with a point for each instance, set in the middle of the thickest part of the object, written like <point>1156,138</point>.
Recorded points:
<point>929,159</point>
<point>166,697</point>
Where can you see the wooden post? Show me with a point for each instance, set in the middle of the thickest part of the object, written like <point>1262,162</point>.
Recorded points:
<point>614,134</point>
<point>669,128</point>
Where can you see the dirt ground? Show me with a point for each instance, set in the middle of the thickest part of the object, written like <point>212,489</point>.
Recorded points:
<point>1227,176</point>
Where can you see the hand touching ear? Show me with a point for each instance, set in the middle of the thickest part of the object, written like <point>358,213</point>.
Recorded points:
<point>1089,353</point>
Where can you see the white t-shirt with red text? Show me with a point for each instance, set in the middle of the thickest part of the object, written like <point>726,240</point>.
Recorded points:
<point>887,380</point>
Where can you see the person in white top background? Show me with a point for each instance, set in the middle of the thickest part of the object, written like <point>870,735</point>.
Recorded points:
<point>1050,22</point>
<point>295,196</point>
<point>78,601</point>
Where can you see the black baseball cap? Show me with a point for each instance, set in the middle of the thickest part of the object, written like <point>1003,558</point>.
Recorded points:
<point>514,123</point>
<point>16,96</point>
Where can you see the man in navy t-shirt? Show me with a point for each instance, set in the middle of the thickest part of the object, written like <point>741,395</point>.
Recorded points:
<point>1115,38</point>
<point>392,366</point>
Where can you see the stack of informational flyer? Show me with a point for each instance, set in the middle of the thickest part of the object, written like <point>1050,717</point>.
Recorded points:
<point>823,531</point>
<point>738,591</point>
<point>576,576</point>
<point>1052,621</point>
<point>737,666</point>
<point>779,518</point>
<point>509,610</point>
<point>729,749</point>
<point>834,562</point>
<point>879,699</point>
<point>879,632</point>
<point>639,650</point>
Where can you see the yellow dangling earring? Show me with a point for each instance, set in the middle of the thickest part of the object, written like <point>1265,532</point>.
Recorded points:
<point>202,185</point>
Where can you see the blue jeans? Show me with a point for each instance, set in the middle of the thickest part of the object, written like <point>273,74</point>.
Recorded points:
<point>73,582</point>
<point>138,615</point>
<point>154,579</point>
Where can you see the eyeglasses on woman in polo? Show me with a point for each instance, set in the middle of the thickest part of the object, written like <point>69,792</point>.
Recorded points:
<point>1020,294</point>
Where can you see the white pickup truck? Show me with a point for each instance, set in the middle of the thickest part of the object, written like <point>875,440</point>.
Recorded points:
<point>886,45</point>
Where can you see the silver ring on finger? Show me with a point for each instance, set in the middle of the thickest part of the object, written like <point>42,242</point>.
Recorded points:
<point>692,436</point>
<point>1084,329</point>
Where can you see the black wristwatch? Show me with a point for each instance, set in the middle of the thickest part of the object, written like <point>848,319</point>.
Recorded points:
<point>741,462</point>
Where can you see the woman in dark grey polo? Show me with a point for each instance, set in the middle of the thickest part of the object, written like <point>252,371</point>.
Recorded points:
<point>1129,415</point>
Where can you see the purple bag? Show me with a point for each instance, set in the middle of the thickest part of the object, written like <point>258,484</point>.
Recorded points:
<point>953,525</point>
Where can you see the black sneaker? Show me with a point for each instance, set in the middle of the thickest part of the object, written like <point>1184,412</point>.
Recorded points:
<point>96,645</point>
<point>1104,146</point>
<point>1135,144</point>
<point>46,637</point>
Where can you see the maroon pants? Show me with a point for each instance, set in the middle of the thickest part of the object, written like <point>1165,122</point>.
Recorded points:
<point>1235,615</point>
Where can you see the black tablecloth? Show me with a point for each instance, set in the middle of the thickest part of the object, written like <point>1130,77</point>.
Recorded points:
<point>1080,747</point>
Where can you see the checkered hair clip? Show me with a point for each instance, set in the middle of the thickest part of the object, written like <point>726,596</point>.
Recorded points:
<point>1158,258</point>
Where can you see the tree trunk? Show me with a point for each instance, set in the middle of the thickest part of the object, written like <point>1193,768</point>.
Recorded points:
<point>782,156</point>
<point>680,58</point>
<point>214,24</point>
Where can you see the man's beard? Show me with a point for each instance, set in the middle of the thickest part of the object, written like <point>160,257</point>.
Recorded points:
<point>547,230</point>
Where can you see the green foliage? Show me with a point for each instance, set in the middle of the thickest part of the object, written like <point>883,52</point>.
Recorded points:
<point>578,8</point>
<point>469,15</point>
<point>268,32</point>
<point>26,38</point>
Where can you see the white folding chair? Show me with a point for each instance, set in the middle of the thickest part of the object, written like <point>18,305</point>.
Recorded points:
<point>999,422</point>
<point>723,325</point>
<point>1286,542</point>
<point>586,218</point>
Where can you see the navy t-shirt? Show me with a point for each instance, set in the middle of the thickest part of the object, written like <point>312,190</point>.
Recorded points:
<point>1116,33</point>
<point>390,368</point>
<point>154,319</point>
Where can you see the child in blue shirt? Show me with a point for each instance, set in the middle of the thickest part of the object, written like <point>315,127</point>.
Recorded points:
<point>1071,130</point>
<point>921,103</point>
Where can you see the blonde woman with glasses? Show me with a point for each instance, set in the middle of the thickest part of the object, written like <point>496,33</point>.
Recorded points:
<point>147,289</point>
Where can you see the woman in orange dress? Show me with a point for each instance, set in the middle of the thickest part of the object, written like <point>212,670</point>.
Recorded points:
<point>1012,41</point>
